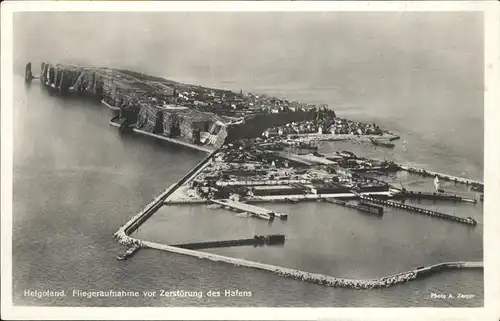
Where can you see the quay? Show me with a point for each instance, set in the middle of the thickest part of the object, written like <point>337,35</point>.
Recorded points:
<point>251,209</point>
<point>364,207</point>
<point>447,177</point>
<point>257,240</point>
<point>321,279</point>
<point>467,220</point>
<point>432,196</point>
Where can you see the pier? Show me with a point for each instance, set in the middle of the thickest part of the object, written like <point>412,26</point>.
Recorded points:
<point>257,240</point>
<point>251,209</point>
<point>433,196</point>
<point>364,207</point>
<point>468,220</point>
<point>443,176</point>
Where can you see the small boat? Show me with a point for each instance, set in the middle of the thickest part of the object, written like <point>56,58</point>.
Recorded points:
<point>129,252</point>
<point>380,143</point>
<point>28,75</point>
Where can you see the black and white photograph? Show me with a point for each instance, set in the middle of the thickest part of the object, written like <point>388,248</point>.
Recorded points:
<point>241,158</point>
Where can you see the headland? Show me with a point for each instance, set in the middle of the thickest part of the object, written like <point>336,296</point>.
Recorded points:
<point>261,149</point>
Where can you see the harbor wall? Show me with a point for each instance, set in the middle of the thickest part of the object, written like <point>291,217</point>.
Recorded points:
<point>122,235</point>
<point>321,279</point>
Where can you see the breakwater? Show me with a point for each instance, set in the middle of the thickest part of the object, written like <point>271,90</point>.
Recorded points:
<point>443,176</point>
<point>320,279</point>
<point>122,235</point>
<point>467,220</point>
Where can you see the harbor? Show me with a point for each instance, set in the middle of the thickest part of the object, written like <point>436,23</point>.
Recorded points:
<point>156,90</point>
<point>248,162</point>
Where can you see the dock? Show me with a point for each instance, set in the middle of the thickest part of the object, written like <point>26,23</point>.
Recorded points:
<point>443,176</point>
<point>257,240</point>
<point>433,196</point>
<point>364,207</point>
<point>453,218</point>
<point>251,209</point>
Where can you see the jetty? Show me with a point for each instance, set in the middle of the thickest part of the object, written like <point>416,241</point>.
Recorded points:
<point>443,176</point>
<point>432,196</point>
<point>257,240</point>
<point>361,206</point>
<point>453,218</point>
<point>251,209</point>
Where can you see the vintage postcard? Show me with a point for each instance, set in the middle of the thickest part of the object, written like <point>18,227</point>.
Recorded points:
<point>250,160</point>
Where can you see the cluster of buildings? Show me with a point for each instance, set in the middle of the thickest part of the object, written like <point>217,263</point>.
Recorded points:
<point>244,170</point>
<point>237,104</point>
<point>326,123</point>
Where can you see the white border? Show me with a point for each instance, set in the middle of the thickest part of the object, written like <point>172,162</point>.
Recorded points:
<point>491,311</point>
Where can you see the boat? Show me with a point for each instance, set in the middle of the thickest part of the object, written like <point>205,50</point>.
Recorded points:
<point>28,75</point>
<point>129,252</point>
<point>382,144</point>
